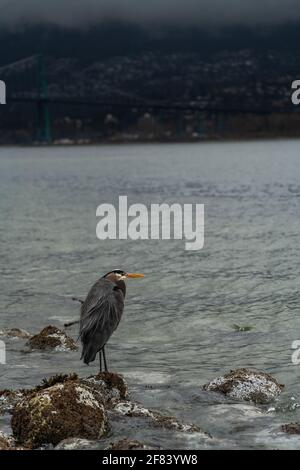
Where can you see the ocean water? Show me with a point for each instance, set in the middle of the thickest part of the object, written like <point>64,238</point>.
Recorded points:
<point>177,330</point>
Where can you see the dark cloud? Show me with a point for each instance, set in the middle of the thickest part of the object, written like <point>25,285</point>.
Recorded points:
<point>202,12</point>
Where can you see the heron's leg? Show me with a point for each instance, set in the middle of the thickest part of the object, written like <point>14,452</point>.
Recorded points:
<point>104,358</point>
<point>100,360</point>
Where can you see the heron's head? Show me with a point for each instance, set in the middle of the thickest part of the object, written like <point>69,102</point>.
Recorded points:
<point>119,275</point>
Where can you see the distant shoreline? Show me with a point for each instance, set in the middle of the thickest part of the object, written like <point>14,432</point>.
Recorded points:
<point>150,142</point>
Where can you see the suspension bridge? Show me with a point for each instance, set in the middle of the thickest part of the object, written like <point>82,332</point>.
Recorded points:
<point>27,82</point>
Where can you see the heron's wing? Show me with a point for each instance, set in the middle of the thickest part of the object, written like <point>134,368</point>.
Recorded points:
<point>100,315</point>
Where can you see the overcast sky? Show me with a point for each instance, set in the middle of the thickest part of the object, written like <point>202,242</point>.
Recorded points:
<point>203,12</point>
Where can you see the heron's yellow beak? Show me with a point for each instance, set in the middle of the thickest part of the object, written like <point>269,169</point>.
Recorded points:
<point>134,275</point>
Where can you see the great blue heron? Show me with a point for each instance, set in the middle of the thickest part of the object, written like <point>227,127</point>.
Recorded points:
<point>101,313</point>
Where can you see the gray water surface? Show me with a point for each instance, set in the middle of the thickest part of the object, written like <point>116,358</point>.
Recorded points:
<point>177,330</point>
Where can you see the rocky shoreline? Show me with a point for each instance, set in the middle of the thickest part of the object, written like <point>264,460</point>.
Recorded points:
<point>68,407</point>
<point>72,412</point>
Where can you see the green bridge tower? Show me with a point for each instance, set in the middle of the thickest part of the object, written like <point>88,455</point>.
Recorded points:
<point>43,117</point>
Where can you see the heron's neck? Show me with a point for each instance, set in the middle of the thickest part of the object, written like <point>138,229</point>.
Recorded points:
<point>122,286</point>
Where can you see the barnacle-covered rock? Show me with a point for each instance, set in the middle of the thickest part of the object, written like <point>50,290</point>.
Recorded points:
<point>52,338</point>
<point>75,443</point>
<point>9,398</point>
<point>53,380</point>
<point>6,442</point>
<point>154,418</point>
<point>129,408</point>
<point>52,414</point>
<point>128,444</point>
<point>246,384</point>
<point>15,333</point>
<point>291,428</point>
<point>112,386</point>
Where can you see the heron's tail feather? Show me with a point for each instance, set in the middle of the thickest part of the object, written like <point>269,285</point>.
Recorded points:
<point>88,353</point>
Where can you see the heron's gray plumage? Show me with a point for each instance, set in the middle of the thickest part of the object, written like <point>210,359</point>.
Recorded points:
<point>101,313</point>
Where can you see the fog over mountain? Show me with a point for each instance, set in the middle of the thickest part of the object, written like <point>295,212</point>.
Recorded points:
<point>178,12</point>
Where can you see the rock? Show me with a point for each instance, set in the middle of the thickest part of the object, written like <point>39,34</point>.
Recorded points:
<point>9,398</point>
<point>71,412</point>
<point>15,333</point>
<point>128,444</point>
<point>74,443</point>
<point>131,409</point>
<point>112,386</point>
<point>53,380</point>
<point>52,414</point>
<point>246,384</point>
<point>52,338</point>
<point>291,428</point>
<point>171,423</point>
<point>6,442</point>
